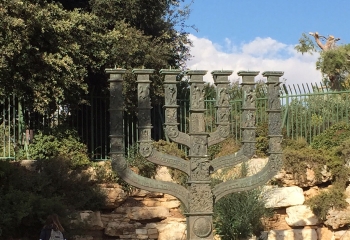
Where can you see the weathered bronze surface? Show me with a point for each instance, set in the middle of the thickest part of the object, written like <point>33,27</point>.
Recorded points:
<point>198,198</point>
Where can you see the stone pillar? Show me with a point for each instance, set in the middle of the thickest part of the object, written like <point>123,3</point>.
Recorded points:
<point>248,114</point>
<point>275,124</point>
<point>222,102</point>
<point>116,110</point>
<point>144,110</point>
<point>199,216</point>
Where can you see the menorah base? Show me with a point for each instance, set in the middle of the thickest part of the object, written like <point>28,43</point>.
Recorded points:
<point>199,226</point>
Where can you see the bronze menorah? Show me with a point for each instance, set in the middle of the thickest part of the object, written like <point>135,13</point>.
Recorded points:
<point>198,198</point>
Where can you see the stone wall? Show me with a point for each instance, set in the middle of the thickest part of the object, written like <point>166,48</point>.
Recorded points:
<point>139,215</point>
<point>146,215</point>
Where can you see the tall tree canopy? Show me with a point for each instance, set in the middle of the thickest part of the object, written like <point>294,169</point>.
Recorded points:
<point>53,52</point>
<point>334,61</point>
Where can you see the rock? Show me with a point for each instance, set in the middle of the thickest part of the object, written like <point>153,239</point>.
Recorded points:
<point>147,213</point>
<point>284,197</point>
<point>341,235</point>
<point>115,195</point>
<point>91,219</point>
<point>81,237</point>
<point>171,204</point>
<point>324,233</point>
<point>337,218</point>
<point>163,174</point>
<point>309,180</point>
<point>171,230</point>
<point>115,228</point>
<point>300,215</point>
<point>313,191</point>
<point>255,165</point>
<point>293,234</point>
<point>30,165</point>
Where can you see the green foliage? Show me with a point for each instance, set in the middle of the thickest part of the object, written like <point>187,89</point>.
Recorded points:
<point>262,141</point>
<point>332,137</point>
<point>306,45</point>
<point>226,147</point>
<point>135,160</point>
<point>298,156</point>
<point>104,172</point>
<point>336,62</point>
<point>333,63</point>
<point>52,54</point>
<point>6,142</point>
<point>27,197</point>
<point>239,215</point>
<point>60,142</point>
<point>333,198</point>
<point>330,149</point>
<point>323,110</point>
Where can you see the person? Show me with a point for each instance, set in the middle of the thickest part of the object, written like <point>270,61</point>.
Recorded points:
<point>52,224</point>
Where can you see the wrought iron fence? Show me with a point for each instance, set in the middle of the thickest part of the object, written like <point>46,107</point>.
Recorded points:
<point>308,109</point>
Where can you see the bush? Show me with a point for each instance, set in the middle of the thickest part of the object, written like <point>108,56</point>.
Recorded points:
<point>239,215</point>
<point>334,198</point>
<point>27,197</point>
<point>332,137</point>
<point>59,143</point>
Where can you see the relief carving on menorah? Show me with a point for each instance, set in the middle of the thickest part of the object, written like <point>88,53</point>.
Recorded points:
<point>198,197</point>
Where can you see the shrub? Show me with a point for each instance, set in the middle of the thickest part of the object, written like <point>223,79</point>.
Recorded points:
<point>334,198</point>
<point>262,141</point>
<point>239,215</point>
<point>59,143</point>
<point>27,197</point>
<point>332,137</point>
<point>136,160</point>
<point>226,147</point>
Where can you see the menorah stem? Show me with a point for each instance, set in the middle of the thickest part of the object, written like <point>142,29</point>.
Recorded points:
<point>275,124</point>
<point>249,112</point>
<point>144,110</point>
<point>116,109</point>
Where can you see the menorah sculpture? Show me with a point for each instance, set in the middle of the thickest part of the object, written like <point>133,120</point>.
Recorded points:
<point>198,198</point>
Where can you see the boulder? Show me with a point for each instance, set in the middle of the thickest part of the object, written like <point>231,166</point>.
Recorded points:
<point>300,215</point>
<point>324,233</point>
<point>115,195</point>
<point>284,197</point>
<point>116,228</point>
<point>292,234</point>
<point>91,219</point>
<point>147,213</point>
<point>341,235</point>
<point>307,180</point>
<point>338,218</point>
<point>171,230</point>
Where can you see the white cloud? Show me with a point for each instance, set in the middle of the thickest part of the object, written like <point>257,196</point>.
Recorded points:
<point>261,54</point>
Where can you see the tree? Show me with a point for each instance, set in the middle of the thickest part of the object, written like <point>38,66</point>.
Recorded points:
<point>53,53</point>
<point>334,61</point>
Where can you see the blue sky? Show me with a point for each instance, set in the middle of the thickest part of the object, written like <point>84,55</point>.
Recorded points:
<point>261,34</point>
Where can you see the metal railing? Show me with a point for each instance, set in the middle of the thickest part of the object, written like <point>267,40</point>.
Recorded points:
<point>308,109</point>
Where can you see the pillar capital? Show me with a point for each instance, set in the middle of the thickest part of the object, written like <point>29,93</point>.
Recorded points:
<point>170,75</point>
<point>115,74</point>
<point>221,76</point>
<point>248,76</point>
<point>272,76</point>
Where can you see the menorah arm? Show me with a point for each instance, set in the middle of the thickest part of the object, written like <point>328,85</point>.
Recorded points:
<point>120,166</point>
<point>228,161</point>
<point>251,182</point>
<point>175,135</point>
<point>169,161</point>
<point>220,134</point>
